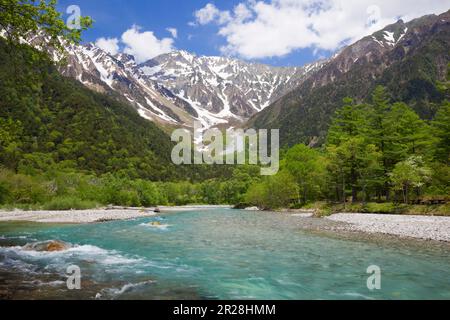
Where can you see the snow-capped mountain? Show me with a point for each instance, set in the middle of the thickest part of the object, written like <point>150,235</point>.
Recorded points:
<point>120,74</point>
<point>179,88</point>
<point>220,88</point>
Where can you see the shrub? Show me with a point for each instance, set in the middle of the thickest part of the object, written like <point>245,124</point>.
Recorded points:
<point>148,193</point>
<point>382,208</point>
<point>4,193</point>
<point>69,203</point>
<point>24,189</point>
<point>274,192</point>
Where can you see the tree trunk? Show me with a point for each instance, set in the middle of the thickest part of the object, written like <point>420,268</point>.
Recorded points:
<point>354,194</point>
<point>343,191</point>
<point>354,186</point>
<point>364,193</point>
<point>304,193</point>
<point>388,191</point>
<point>405,194</point>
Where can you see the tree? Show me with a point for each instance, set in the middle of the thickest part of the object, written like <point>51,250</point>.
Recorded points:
<point>348,133</point>
<point>440,127</point>
<point>408,174</point>
<point>397,132</point>
<point>233,189</point>
<point>256,195</point>
<point>274,192</point>
<point>10,142</point>
<point>354,161</point>
<point>19,18</point>
<point>281,190</point>
<point>370,168</point>
<point>405,134</point>
<point>308,167</point>
<point>349,121</point>
<point>338,171</point>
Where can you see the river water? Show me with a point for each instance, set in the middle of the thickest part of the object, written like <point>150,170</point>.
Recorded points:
<point>218,254</point>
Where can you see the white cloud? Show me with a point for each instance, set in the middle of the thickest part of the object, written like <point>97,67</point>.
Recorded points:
<point>144,45</point>
<point>110,45</point>
<point>272,28</point>
<point>173,32</point>
<point>209,14</point>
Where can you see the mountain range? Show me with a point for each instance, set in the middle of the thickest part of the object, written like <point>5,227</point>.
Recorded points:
<point>178,88</point>
<point>407,58</point>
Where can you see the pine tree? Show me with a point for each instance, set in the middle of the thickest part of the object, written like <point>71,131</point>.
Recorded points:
<point>348,133</point>
<point>377,132</point>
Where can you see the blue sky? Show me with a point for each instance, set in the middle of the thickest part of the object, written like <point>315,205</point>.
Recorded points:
<point>113,17</point>
<point>276,32</point>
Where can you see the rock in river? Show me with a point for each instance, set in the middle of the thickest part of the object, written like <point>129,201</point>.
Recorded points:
<point>47,246</point>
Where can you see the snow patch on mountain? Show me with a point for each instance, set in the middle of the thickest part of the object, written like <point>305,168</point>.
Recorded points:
<point>225,88</point>
<point>179,88</point>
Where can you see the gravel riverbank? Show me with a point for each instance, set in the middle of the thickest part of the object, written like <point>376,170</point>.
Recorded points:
<point>419,227</point>
<point>91,216</point>
<point>78,216</point>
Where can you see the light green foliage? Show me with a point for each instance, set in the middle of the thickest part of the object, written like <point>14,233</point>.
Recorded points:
<point>274,192</point>
<point>256,195</point>
<point>69,203</point>
<point>409,174</point>
<point>22,189</point>
<point>308,167</point>
<point>62,186</point>
<point>22,17</point>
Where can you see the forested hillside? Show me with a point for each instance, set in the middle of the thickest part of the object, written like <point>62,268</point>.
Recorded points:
<point>49,119</point>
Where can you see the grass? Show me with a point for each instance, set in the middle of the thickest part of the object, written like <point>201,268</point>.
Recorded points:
<point>69,203</point>
<point>58,203</point>
<point>24,207</point>
<point>324,209</point>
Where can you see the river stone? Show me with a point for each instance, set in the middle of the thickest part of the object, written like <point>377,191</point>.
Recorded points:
<point>47,246</point>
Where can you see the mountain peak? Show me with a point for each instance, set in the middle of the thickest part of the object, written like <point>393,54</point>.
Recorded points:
<point>125,58</point>
<point>223,89</point>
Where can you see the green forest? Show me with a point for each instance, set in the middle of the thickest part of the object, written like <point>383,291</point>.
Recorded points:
<point>63,146</point>
<point>379,156</point>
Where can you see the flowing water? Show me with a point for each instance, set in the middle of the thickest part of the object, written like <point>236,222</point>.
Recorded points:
<point>218,254</point>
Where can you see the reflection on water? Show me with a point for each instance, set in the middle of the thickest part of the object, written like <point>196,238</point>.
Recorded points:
<point>218,254</point>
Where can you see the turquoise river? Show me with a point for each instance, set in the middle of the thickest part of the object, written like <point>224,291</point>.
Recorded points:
<point>218,254</point>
